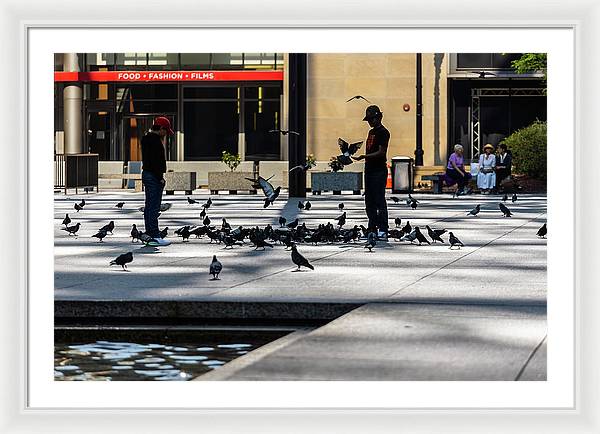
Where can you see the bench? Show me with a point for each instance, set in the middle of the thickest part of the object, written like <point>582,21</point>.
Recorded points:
<point>136,177</point>
<point>437,180</point>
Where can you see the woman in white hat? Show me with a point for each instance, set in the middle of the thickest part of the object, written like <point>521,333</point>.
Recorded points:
<point>486,179</point>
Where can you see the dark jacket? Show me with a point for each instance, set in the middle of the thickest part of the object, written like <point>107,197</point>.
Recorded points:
<point>506,164</point>
<point>153,155</point>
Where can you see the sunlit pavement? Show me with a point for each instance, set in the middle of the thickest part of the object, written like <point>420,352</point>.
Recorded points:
<point>478,311</point>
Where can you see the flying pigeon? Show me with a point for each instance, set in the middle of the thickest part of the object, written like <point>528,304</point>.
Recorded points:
<point>475,210</point>
<point>77,207</point>
<point>300,260</point>
<point>359,97</point>
<point>504,210</point>
<point>72,230</point>
<point>285,132</point>
<point>347,151</point>
<point>454,241</point>
<point>542,231</point>
<point>270,193</point>
<point>123,260</point>
<point>120,205</point>
<point>215,268</point>
<point>66,220</point>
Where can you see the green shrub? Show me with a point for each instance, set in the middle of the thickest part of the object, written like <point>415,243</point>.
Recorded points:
<point>529,149</point>
<point>232,160</point>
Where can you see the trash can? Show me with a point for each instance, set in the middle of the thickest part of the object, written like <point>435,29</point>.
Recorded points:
<point>402,175</point>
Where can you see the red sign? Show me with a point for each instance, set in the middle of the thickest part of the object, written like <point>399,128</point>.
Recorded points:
<point>133,76</point>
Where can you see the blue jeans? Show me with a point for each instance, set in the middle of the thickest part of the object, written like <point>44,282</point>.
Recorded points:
<point>375,204</point>
<point>153,187</point>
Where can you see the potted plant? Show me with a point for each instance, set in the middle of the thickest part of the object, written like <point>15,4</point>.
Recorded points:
<point>232,180</point>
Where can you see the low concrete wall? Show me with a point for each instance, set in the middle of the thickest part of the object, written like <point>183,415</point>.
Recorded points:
<point>110,168</point>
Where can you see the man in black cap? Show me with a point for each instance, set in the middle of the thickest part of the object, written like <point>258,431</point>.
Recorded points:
<point>154,166</point>
<point>376,171</point>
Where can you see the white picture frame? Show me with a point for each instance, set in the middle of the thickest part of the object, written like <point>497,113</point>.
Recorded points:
<point>17,17</point>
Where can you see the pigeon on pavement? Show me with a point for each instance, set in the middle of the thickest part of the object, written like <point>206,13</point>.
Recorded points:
<point>475,210</point>
<point>542,231</point>
<point>420,237</point>
<point>398,222</point>
<point>395,199</point>
<point>215,268</point>
<point>514,197</point>
<point>66,220</point>
<point>72,230</point>
<point>504,210</point>
<point>340,206</point>
<point>108,227</point>
<point>371,241</point>
<point>191,201</point>
<point>77,207</point>
<point>282,221</point>
<point>300,260</point>
<point>454,241</point>
<point>135,233</point>
<point>307,205</point>
<point>164,232</point>
<point>435,234</point>
<point>120,205</point>
<point>100,235</point>
<point>300,205</point>
<point>123,260</point>
<point>505,197</point>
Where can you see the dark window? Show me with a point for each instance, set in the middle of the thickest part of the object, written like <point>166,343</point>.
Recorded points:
<point>210,128</point>
<point>265,92</point>
<point>211,92</point>
<point>259,118</point>
<point>195,61</point>
<point>485,60</point>
<point>151,91</point>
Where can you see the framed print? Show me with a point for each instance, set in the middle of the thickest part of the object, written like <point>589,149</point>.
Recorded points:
<point>497,336</point>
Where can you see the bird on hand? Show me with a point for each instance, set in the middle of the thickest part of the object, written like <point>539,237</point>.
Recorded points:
<point>215,268</point>
<point>300,260</point>
<point>348,150</point>
<point>454,241</point>
<point>123,260</point>
<point>359,97</point>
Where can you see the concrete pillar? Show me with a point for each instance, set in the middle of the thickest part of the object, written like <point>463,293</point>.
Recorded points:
<point>72,95</point>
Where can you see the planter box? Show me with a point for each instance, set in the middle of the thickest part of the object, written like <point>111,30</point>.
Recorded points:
<point>180,181</point>
<point>231,181</point>
<point>336,182</point>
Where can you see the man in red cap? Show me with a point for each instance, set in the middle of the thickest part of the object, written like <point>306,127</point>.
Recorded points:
<point>154,166</point>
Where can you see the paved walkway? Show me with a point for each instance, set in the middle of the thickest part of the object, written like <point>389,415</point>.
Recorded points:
<point>483,302</point>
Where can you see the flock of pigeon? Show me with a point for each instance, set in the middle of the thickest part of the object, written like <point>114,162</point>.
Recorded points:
<point>289,234</point>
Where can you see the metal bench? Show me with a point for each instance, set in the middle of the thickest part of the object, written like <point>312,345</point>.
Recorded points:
<point>437,180</point>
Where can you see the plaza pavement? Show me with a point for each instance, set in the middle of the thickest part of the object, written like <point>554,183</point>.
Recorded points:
<point>402,312</point>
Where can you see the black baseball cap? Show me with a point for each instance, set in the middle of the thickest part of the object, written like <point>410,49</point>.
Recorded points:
<point>372,112</point>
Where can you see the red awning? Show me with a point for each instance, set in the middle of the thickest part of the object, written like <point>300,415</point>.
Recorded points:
<point>162,76</point>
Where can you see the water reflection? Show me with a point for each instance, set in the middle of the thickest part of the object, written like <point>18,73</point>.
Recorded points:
<point>127,361</point>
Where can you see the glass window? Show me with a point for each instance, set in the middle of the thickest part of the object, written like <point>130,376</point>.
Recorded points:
<point>195,61</point>
<point>211,92</point>
<point>95,60</point>
<point>97,91</point>
<point>226,60</point>
<point>98,134</point>
<point>259,60</point>
<point>485,60</point>
<point>503,60</point>
<point>131,61</point>
<point>210,128</point>
<point>153,91</point>
<point>58,61</point>
<point>259,118</point>
<point>256,92</point>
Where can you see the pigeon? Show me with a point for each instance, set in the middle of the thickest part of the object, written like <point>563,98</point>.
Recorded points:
<point>101,234</point>
<point>300,205</point>
<point>420,237</point>
<point>66,220</point>
<point>505,197</point>
<point>504,210</point>
<point>407,228</point>
<point>341,219</point>
<point>135,233</point>
<point>164,232</point>
<point>224,225</point>
<point>514,197</point>
<point>304,167</point>
<point>475,210</point>
<point>285,132</point>
<point>199,231</point>
<point>270,193</point>
<point>203,213</point>
<point>300,260</point>
<point>395,199</point>
<point>340,206</point>
<point>191,201</point>
<point>261,243</point>
<point>359,97</point>
<point>413,204</point>
<point>165,207</point>
<point>109,227</point>
<point>542,231</point>
<point>123,260</point>
<point>229,241</point>
<point>282,221</point>
<point>454,241</point>
<point>293,224</point>
<point>347,151</point>
<point>398,222</point>
<point>184,233</point>
<point>77,207</point>
<point>483,74</point>
<point>307,205</point>
<point>215,268</point>
<point>412,236</point>
<point>82,203</point>
<point>120,205</point>
<point>206,221</point>
<point>435,234</point>
<point>371,241</point>
<point>411,199</point>
<point>72,230</point>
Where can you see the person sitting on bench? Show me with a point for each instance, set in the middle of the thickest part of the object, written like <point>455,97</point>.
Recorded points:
<point>455,171</point>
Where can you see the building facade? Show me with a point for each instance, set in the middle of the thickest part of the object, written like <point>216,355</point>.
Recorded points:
<point>105,102</point>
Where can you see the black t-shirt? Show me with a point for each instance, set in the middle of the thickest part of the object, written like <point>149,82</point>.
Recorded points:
<point>378,136</point>
<point>153,154</point>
